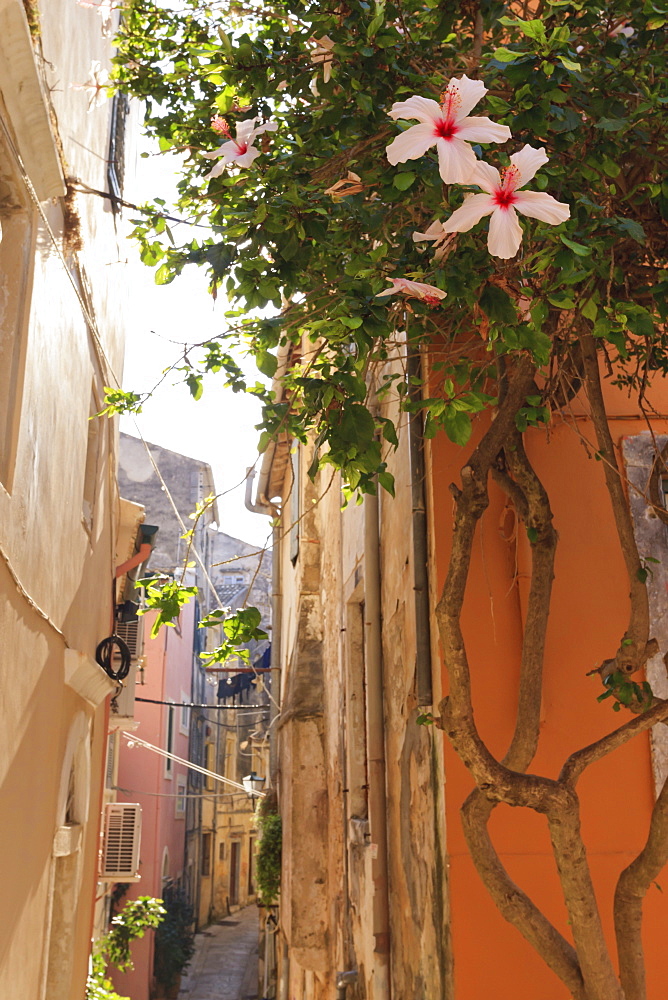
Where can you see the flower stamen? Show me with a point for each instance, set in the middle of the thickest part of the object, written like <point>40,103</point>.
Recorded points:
<point>221,126</point>
<point>450,100</point>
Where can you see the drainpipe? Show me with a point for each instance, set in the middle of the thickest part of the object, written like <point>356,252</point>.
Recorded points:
<point>343,981</point>
<point>376,748</point>
<point>262,506</point>
<point>423,678</point>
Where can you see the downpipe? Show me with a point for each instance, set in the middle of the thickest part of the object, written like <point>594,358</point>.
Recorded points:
<point>423,675</point>
<point>376,748</point>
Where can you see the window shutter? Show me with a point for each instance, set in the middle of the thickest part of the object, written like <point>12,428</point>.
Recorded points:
<point>122,837</point>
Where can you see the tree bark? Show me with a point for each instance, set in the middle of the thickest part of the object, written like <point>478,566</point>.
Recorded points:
<point>631,889</point>
<point>632,652</point>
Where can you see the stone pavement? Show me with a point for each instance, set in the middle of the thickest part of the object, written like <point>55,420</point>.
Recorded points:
<point>226,960</point>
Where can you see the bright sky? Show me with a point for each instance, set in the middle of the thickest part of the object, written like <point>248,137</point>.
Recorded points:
<point>219,428</point>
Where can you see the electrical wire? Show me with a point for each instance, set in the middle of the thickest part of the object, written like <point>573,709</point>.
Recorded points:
<point>136,741</point>
<point>187,704</point>
<point>214,796</point>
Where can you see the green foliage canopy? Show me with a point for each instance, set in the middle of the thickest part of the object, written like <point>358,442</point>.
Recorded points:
<point>317,224</point>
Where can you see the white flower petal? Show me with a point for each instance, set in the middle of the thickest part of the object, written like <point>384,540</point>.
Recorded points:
<point>246,158</point>
<point>245,130</point>
<point>528,161</point>
<point>434,232</point>
<point>456,160</point>
<point>422,108</point>
<point>538,205</point>
<point>482,130</point>
<point>470,92</point>
<point>414,289</point>
<point>475,207</point>
<point>486,176</point>
<point>267,127</point>
<point>216,170</point>
<point>505,233</point>
<point>227,149</point>
<point>411,144</point>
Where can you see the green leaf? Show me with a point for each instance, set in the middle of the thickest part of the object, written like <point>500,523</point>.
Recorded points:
<point>532,29</point>
<point>164,275</point>
<point>267,363</point>
<point>504,55</point>
<point>590,310</point>
<point>577,248</point>
<point>403,181</point>
<point>386,480</point>
<point>497,305</point>
<point>611,124</point>
<point>570,64</point>
<point>632,229</point>
<point>457,425</point>
<point>377,21</point>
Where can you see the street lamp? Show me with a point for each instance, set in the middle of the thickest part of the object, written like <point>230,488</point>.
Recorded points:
<point>253,784</point>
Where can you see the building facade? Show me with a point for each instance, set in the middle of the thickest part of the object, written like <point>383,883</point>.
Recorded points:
<point>61,342</point>
<point>359,782</point>
<point>380,896</point>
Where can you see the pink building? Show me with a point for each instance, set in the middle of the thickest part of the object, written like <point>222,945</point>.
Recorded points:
<point>156,782</point>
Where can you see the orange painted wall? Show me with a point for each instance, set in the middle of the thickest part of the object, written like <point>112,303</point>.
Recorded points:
<point>588,617</point>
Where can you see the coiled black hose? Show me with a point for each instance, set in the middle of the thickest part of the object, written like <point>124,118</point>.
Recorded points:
<point>104,656</point>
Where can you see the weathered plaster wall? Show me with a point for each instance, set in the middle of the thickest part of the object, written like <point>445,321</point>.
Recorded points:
<point>327,901</point>
<point>58,511</point>
<point>145,777</point>
<point>588,617</point>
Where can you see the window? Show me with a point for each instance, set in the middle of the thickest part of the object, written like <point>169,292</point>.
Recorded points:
<point>210,764</point>
<point>180,801</point>
<point>221,851</point>
<point>232,578</point>
<point>206,854</point>
<point>184,719</point>
<point>165,867</point>
<point>230,757</point>
<point>235,855</point>
<point>169,741</point>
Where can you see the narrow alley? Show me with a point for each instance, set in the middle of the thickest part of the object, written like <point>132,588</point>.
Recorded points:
<point>225,966</point>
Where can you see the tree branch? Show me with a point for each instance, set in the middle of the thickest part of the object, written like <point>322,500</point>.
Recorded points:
<point>471,502</point>
<point>532,504</point>
<point>631,889</point>
<point>599,977</point>
<point>632,652</point>
<point>514,904</point>
<point>581,759</point>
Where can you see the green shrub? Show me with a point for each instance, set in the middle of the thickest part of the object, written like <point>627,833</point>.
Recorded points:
<point>175,938</point>
<point>269,858</point>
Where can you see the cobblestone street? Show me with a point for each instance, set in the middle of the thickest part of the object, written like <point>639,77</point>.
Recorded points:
<point>226,960</point>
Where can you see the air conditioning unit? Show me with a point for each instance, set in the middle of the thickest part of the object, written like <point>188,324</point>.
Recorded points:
<point>122,838</point>
<point>132,633</point>
<point>123,703</point>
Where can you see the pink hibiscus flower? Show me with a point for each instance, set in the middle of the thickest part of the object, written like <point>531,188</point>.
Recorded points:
<point>448,127</point>
<point>503,199</point>
<point>414,290</point>
<point>240,149</point>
